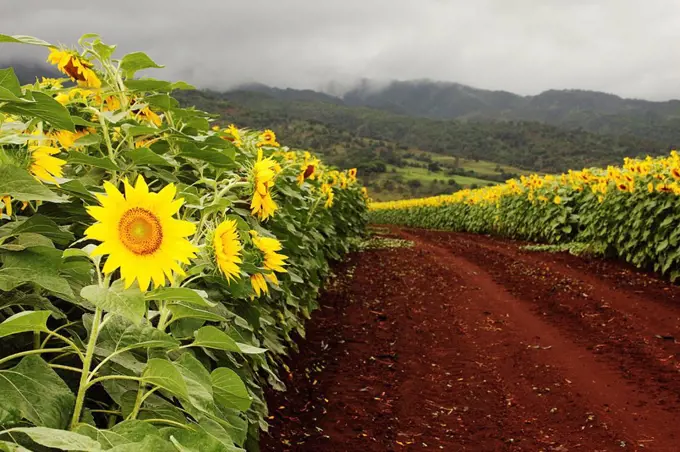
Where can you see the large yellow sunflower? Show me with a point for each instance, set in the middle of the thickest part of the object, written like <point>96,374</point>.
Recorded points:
<point>271,261</point>
<point>45,167</point>
<point>75,66</point>
<point>262,204</point>
<point>227,249</point>
<point>140,235</point>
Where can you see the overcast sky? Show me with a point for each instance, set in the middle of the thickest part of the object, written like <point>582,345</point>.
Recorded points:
<point>626,47</point>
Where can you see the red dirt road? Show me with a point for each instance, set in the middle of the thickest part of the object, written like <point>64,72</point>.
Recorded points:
<point>469,343</point>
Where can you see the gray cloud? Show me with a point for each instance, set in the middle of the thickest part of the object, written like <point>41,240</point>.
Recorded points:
<point>627,47</point>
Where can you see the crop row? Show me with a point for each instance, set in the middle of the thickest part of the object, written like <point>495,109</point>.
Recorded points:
<point>630,211</point>
<point>154,266</point>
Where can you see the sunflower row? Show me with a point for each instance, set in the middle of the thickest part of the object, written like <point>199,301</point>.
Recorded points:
<point>155,265</point>
<point>630,211</point>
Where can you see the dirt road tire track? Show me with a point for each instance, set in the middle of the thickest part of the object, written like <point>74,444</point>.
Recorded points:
<point>470,343</point>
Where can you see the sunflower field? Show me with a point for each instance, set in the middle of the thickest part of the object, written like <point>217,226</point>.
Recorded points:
<point>630,211</point>
<point>154,266</point>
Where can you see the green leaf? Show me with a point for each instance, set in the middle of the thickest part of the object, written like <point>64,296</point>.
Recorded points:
<point>10,82</point>
<point>120,334</point>
<point>136,61</point>
<point>75,157</point>
<point>11,447</point>
<point>199,384</point>
<point>20,185</point>
<point>128,303</point>
<point>7,95</point>
<point>229,390</point>
<point>134,130</point>
<point>88,140</point>
<point>145,156</point>
<point>33,391</point>
<point>207,155</point>
<point>40,224</point>
<point>76,188</point>
<point>182,311</point>
<point>250,349</point>
<point>197,297</point>
<point>132,433</point>
<point>60,439</point>
<point>148,444</point>
<point>148,84</point>
<point>163,373</point>
<point>211,337</point>
<point>39,265</point>
<point>44,107</point>
<point>200,440</point>
<point>25,321</point>
<point>21,39</point>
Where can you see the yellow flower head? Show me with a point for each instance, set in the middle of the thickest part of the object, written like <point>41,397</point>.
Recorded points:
<point>140,235</point>
<point>272,261</point>
<point>557,200</point>
<point>67,139</point>
<point>235,134</point>
<point>263,175</point>
<point>352,174</point>
<point>227,249</point>
<point>268,138</point>
<point>45,167</point>
<point>75,66</point>
<point>50,83</point>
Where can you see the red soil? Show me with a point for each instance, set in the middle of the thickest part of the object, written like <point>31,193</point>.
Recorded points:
<point>466,342</point>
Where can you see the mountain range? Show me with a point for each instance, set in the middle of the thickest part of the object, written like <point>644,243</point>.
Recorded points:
<point>592,111</point>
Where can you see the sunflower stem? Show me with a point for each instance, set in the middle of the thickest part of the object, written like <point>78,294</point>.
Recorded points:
<point>165,314</point>
<point>85,375</point>
<point>138,402</point>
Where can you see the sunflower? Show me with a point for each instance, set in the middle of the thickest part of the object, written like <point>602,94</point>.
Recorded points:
<point>675,172</point>
<point>236,135</point>
<point>67,139</point>
<point>557,200</point>
<point>140,235</point>
<point>352,174</point>
<point>327,189</point>
<point>268,138</point>
<point>45,167</point>
<point>263,173</point>
<point>227,249</point>
<point>364,192</point>
<point>272,261</point>
<point>75,66</point>
<point>50,83</point>
<point>664,188</point>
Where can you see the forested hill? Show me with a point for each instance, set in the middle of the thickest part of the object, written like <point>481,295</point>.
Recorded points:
<point>328,124</point>
<point>592,111</point>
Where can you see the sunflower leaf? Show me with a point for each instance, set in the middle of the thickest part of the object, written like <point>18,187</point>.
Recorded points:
<point>60,439</point>
<point>43,107</point>
<point>98,162</point>
<point>32,390</point>
<point>25,321</point>
<point>21,39</point>
<point>20,185</point>
<point>136,61</point>
<point>197,297</point>
<point>164,373</point>
<point>211,337</point>
<point>128,303</point>
<point>229,389</point>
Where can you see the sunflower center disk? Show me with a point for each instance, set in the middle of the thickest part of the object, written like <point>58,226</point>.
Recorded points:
<point>140,231</point>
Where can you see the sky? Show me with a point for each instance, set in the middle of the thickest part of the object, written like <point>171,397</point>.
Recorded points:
<point>625,47</point>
